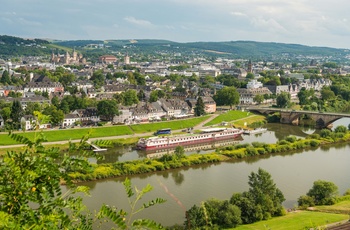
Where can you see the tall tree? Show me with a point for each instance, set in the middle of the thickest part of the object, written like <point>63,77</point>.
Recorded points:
<point>227,96</point>
<point>265,193</point>
<point>98,78</point>
<point>107,109</point>
<point>5,78</point>
<point>16,114</point>
<point>130,97</point>
<point>141,95</point>
<point>323,192</point>
<point>259,98</point>
<point>199,110</point>
<point>55,114</point>
<point>283,100</point>
<point>153,96</point>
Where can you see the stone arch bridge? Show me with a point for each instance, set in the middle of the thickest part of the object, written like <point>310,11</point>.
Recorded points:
<point>323,120</point>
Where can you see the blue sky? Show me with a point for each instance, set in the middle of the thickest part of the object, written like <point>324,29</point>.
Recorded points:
<point>307,22</point>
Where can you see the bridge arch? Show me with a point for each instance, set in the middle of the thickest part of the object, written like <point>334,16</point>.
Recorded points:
<point>323,120</point>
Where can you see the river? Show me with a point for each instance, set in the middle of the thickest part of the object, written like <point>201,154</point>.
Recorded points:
<point>293,173</point>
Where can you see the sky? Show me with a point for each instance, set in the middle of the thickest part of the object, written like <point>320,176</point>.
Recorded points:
<point>323,23</point>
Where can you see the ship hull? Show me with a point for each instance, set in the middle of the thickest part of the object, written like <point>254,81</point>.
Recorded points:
<point>172,142</point>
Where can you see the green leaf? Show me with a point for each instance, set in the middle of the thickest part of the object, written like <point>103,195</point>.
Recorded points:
<point>154,202</point>
<point>111,213</point>
<point>149,224</point>
<point>127,186</point>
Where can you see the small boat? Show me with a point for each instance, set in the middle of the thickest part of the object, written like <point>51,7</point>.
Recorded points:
<point>206,135</point>
<point>255,131</point>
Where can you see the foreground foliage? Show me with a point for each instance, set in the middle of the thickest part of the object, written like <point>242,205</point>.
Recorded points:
<point>31,195</point>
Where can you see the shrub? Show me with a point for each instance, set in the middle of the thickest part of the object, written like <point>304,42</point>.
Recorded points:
<point>261,151</point>
<point>306,201</point>
<point>283,142</point>
<point>291,139</point>
<point>258,144</point>
<point>251,151</point>
<point>241,146</point>
<point>314,143</point>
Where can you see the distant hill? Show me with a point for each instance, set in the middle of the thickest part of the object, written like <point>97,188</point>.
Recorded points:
<point>13,46</point>
<point>16,47</point>
<point>263,49</point>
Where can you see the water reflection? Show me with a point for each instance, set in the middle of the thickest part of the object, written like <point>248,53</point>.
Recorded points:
<point>274,133</point>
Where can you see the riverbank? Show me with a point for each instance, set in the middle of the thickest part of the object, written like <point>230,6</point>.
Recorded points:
<point>123,134</point>
<point>239,151</point>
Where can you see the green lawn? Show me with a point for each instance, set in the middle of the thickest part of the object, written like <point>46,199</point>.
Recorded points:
<point>71,134</point>
<point>341,207</point>
<point>174,125</point>
<point>229,116</point>
<point>78,133</point>
<point>295,221</point>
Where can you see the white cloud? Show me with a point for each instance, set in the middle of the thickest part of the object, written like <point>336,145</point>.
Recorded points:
<point>139,22</point>
<point>29,22</point>
<point>238,14</point>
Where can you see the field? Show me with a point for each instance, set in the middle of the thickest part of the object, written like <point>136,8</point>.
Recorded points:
<point>228,116</point>
<point>78,133</point>
<point>296,220</point>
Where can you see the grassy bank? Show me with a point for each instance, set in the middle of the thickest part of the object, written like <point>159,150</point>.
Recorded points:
<point>96,132</point>
<point>229,116</point>
<point>120,130</point>
<point>296,220</point>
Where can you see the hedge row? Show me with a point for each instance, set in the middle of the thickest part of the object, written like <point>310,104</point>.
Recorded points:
<point>144,166</point>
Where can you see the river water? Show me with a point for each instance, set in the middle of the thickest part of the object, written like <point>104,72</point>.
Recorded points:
<point>293,173</point>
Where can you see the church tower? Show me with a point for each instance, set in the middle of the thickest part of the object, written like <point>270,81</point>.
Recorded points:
<point>75,55</point>
<point>126,59</point>
<point>250,67</point>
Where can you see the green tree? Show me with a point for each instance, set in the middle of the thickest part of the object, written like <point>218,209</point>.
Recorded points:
<point>98,78</point>
<point>5,112</point>
<point>250,76</point>
<point>67,79</point>
<point>283,100</point>
<point>263,192</point>
<point>179,152</point>
<point>55,101</point>
<point>107,109</point>
<point>259,98</point>
<point>31,107</point>
<point>327,94</point>
<point>131,78</point>
<point>141,95</point>
<point>153,96</point>
<point>5,78</point>
<point>196,218</point>
<point>222,213</point>
<point>199,108</point>
<point>304,96</point>
<point>55,114</point>
<point>340,129</point>
<point>227,96</point>
<point>140,79</point>
<point>130,97</point>
<point>323,192</point>
<point>16,114</point>
<point>250,212</point>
